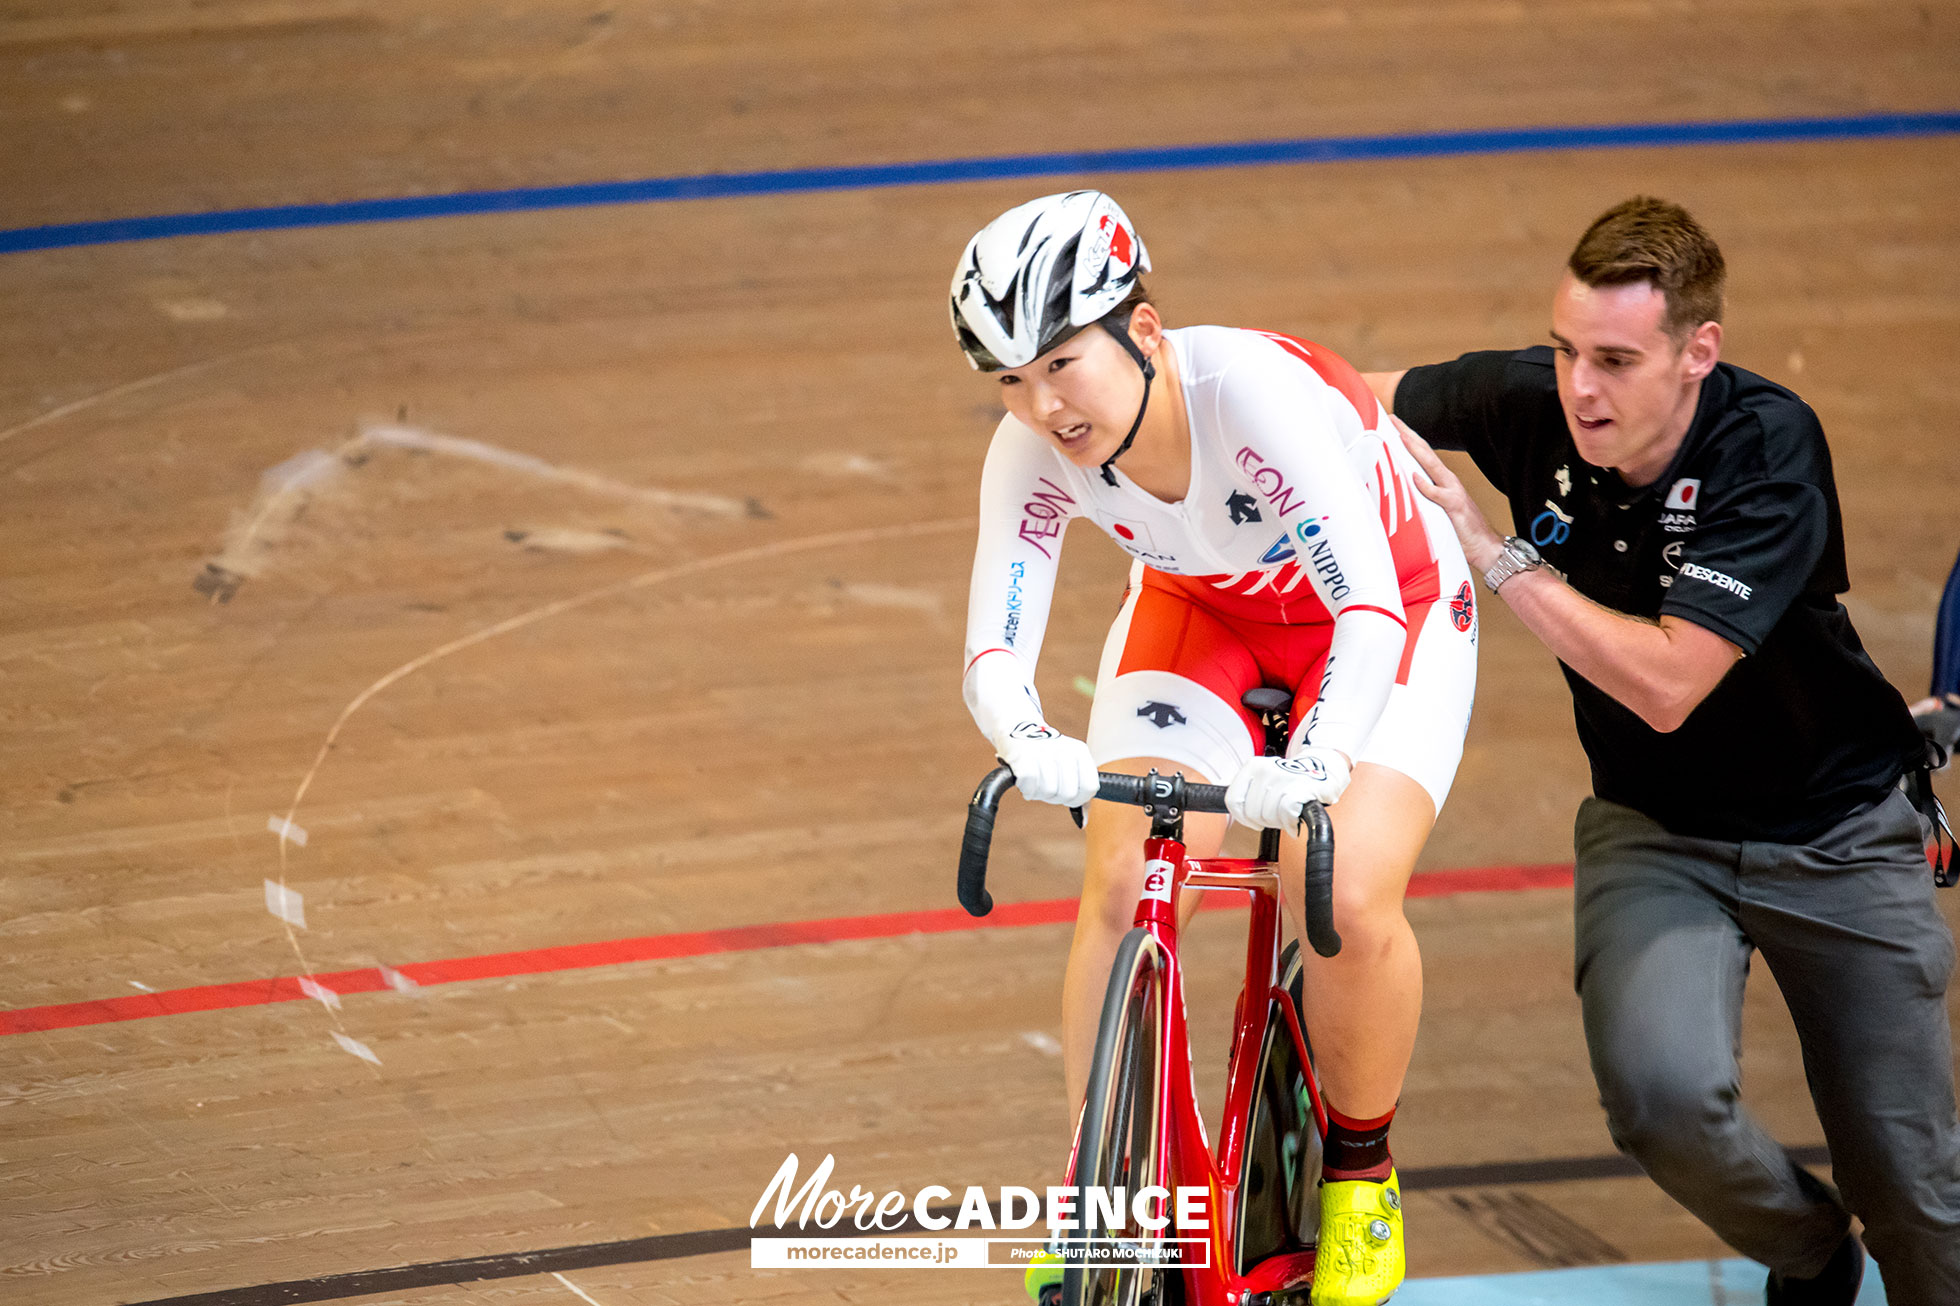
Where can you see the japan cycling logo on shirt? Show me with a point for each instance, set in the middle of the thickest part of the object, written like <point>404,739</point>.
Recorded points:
<point>1682,497</point>
<point>1136,540</point>
<point>1463,608</point>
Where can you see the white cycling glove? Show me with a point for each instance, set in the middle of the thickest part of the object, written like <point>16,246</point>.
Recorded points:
<point>1048,766</point>
<point>1270,791</point>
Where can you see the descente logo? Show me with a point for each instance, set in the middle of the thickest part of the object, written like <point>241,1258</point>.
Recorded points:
<point>816,1202</point>
<point>1721,580</point>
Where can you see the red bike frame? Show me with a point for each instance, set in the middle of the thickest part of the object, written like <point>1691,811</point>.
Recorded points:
<point>1188,1158</point>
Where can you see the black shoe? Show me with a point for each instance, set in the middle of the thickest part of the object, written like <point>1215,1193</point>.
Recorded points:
<point>1835,1285</point>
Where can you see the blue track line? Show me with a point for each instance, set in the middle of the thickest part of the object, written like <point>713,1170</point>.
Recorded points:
<point>1678,1283</point>
<point>1240,154</point>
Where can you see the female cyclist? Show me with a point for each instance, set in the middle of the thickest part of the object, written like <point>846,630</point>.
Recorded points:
<point>1279,540</point>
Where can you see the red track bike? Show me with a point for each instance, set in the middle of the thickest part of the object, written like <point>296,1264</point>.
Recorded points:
<point>1140,1126</point>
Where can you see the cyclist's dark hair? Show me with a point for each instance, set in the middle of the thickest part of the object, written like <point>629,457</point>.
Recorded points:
<point>1137,296</point>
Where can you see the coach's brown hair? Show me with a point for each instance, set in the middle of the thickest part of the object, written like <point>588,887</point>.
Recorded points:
<point>1645,239</point>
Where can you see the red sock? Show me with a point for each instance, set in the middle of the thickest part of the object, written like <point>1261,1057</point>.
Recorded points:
<point>1357,1149</point>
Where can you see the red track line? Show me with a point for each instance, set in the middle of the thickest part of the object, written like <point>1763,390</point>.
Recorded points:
<point>659,947</point>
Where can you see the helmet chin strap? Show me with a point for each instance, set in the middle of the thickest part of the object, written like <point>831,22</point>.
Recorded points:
<point>1122,334</point>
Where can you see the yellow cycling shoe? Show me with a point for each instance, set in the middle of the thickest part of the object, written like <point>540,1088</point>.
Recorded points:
<point>1360,1261</point>
<point>1044,1276</point>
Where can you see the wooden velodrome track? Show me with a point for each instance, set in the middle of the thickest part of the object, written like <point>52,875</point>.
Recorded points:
<point>722,466</point>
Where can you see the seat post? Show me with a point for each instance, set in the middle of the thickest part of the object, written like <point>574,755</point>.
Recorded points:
<point>1274,707</point>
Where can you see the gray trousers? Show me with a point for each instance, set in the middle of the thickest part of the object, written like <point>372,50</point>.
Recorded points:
<point>1665,926</point>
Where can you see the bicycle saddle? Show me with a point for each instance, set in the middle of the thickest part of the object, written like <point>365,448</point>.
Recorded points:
<point>1266,701</point>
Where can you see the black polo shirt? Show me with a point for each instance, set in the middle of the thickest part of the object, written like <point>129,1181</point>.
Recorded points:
<point>1741,536</point>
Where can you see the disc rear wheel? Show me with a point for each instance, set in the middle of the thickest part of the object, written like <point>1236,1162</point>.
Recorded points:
<point>1279,1204</point>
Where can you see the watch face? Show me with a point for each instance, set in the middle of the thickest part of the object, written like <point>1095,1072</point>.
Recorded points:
<point>1526,550</point>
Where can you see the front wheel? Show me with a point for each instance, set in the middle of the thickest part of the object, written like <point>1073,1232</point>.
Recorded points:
<point>1122,1147</point>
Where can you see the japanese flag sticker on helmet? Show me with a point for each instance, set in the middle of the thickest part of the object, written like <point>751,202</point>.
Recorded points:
<point>1040,272</point>
<point>1109,255</point>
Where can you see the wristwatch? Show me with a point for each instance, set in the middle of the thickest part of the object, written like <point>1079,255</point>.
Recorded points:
<point>1518,556</point>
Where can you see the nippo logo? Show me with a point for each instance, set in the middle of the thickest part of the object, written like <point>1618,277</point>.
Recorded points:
<point>1122,248</point>
<point>1682,497</point>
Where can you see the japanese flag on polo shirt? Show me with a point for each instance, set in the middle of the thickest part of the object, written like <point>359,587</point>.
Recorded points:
<point>1682,497</point>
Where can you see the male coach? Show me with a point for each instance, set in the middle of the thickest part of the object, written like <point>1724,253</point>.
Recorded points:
<point>1680,550</point>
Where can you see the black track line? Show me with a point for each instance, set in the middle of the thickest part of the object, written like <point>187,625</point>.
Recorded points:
<point>704,1242</point>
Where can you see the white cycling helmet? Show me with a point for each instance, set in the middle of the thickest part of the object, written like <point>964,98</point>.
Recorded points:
<point>1039,273</point>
